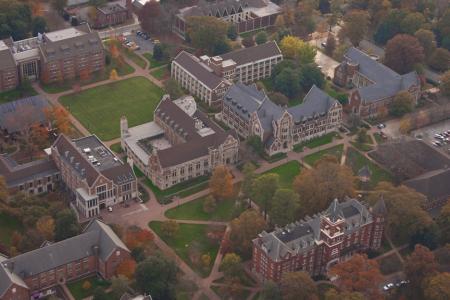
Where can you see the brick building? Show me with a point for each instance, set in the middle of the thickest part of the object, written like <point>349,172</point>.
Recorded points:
<point>182,143</point>
<point>51,57</point>
<point>373,85</point>
<point>247,15</point>
<point>111,14</point>
<point>31,275</point>
<point>93,175</point>
<point>316,243</point>
<point>251,113</point>
<point>209,77</point>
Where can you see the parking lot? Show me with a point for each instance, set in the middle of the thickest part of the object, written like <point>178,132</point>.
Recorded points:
<point>428,133</point>
<point>144,45</point>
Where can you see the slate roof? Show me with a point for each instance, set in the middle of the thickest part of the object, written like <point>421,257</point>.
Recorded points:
<point>195,145</point>
<point>7,278</point>
<point>15,174</point>
<point>434,185</point>
<point>301,236</point>
<point>198,69</point>
<point>255,53</point>
<point>96,234</point>
<point>207,8</point>
<point>16,114</point>
<point>387,82</point>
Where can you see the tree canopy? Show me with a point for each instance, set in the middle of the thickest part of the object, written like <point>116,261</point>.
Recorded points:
<point>402,53</point>
<point>207,32</point>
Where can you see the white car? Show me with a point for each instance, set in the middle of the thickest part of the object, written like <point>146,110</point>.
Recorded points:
<point>381,126</point>
<point>388,286</point>
<point>436,144</point>
<point>109,208</point>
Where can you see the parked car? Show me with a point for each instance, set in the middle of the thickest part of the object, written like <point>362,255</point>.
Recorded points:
<point>436,144</point>
<point>388,286</point>
<point>381,126</point>
<point>323,44</point>
<point>109,208</point>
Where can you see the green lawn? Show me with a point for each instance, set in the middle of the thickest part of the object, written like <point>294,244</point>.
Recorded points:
<point>378,138</point>
<point>356,161</point>
<point>99,109</point>
<point>186,235</point>
<point>76,288</point>
<point>116,148</point>
<point>362,147</point>
<point>316,142</point>
<point>153,62</point>
<point>161,73</point>
<point>17,93</point>
<point>335,151</point>
<point>287,173</point>
<point>194,211</point>
<point>181,190</point>
<point>8,225</point>
<point>138,172</point>
<point>121,68</point>
<point>135,58</point>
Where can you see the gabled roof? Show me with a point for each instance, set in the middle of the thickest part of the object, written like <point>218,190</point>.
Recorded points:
<point>386,82</point>
<point>7,278</point>
<point>255,53</point>
<point>97,238</point>
<point>198,69</point>
<point>435,185</point>
<point>212,8</point>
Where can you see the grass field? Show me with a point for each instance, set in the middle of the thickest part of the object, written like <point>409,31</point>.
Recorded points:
<point>287,173</point>
<point>17,93</point>
<point>335,151</point>
<point>362,147</point>
<point>99,109</point>
<point>161,73</point>
<point>316,142</point>
<point>356,161</point>
<point>135,58</point>
<point>153,62</point>
<point>77,291</point>
<point>116,148</point>
<point>8,225</point>
<point>185,237</point>
<point>194,211</point>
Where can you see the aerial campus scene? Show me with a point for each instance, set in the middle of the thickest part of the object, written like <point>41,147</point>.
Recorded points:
<point>224,149</point>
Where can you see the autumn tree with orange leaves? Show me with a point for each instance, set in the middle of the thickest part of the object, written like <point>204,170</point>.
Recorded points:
<point>137,237</point>
<point>420,265</point>
<point>126,268</point>
<point>359,274</point>
<point>221,183</point>
<point>59,118</point>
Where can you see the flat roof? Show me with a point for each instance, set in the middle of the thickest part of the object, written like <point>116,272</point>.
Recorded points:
<point>98,154</point>
<point>64,34</point>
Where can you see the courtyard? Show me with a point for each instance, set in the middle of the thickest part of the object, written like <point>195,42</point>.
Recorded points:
<point>136,98</point>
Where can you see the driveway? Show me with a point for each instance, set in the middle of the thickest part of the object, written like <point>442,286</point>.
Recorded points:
<point>327,63</point>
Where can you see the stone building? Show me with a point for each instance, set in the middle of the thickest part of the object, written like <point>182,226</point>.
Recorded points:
<point>251,113</point>
<point>51,57</point>
<point>180,144</point>
<point>93,175</point>
<point>36,274</point>
<point>373,85</point>
<point>246,15</point>
<point>316,243</point>
<point>208,78</point>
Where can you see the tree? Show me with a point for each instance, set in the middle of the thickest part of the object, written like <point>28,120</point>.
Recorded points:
<point>59,119</point>
<point>231,265</point>
<point>362,136</point>
<point>288,82</point>
<point>333,294</point>
<point>317,187</point>
<point>126,268</point>
<point>172,87</point>
<point>330,45</point>
<point>221,183</point>
<point>279,98</point>
<point>270,291</point>
<point>294,48</point>
<point>419,265</point>
<point>206,260</point>
<point>427,40</point>
<point>46,226</point>
<point>359,274</point>
<point>38,137</point>
<point>440,59</point>
<point>248,41</point>
<point>264,188</point>
<point>426,236</point>
<point>390,26</point>
<point>232,33</point>
<point>444,223</point>
<point>255,143</point>
<point>249,176</point>
<point>157,276</point>
<point>221,47</point>
<point>405,214</point>
<point>66,225</point>
<point>437,287</point>
<point>403,103</point>
<point>158,53</point>
<point>169,228</point>
<point>3,190</point>
<point>209,204</point>
<point>412,22</point>
<point>310,75</point>
<point>148,15</point>
<point>58,5</point>
<point>38,25</point>
<point>284,206</point>
<point>243,229</point>
<point>445,84</point>
<point>100,294</point>
<point>261,37</point>
<point>206,32</point>
<point>119,286</point>
<point>402,53</point>
<point>87,285</point>
<point>298,286</point>
<point>356,24</point>
<point>113,75</point>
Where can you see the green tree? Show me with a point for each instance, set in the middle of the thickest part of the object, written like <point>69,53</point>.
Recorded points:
<point>255,143</point>
<point>100,294</point>
<point>390,26</point>
<point>270,291</point>
<point>284,205</point>
<point>173,88</point>
<point>261,37</point>
<point>288,82</point>
<point>119,286</point>
<point>402,53</point>
<point>249,176</point>
<point>440,59</point>
<point>403,103</point>
<point>298,286</point>
<point>264,188</point>
<point>157,275</point>
<point>310,75</point>
<point>66,225</point>
<point>356,24</point>
<point>38,25</point>
<point>206,32</point>
<point>231,265</point>
<point>427,40</point>
<point>243,230</point>
<point>232,32</point>
<point>170,228</point>
<point>412,22</point>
